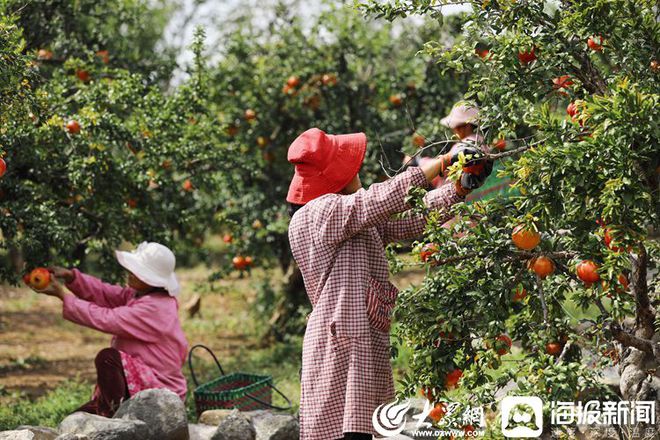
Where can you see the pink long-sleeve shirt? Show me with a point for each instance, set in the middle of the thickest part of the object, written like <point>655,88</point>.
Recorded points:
<point>146,327</point>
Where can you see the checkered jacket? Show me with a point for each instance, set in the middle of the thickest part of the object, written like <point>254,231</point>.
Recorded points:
<point>338,243</point>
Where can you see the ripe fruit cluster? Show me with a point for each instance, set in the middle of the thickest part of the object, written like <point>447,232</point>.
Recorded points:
<point>482,52</point>
<point>438,412</point>
<point>575,110</point>
<point>83,75</point>
<point>587,271</point>
<point>475,169</point>
<point>241,263</point>
<point>503,344</point>
<point>527,56</point>
<point>561,82</point>
<point>452,378</point>
<point>428,251</point>
<point>396,100</point>
<point>542,266</point>
<point>572,110</point>
<point>524,238</point>
<point>620,287</point>
<point>519,294</point>
<point>418,140</point>
<point>38,278</point>
<point>187,185</point>
<point>553,348</point>
<point>500,144</point>
<point>595,43</point>
<point>73,126</point>
<point>104,56</point>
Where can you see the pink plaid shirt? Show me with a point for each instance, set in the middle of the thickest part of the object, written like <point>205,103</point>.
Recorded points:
<point>338,242</point>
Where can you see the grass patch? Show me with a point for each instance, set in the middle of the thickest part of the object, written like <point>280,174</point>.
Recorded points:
<point>47,410</point>
<point>22,364</point>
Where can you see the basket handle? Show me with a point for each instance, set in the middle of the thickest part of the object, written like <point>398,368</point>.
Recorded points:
<point>283,408</point>
<point>192,372</point>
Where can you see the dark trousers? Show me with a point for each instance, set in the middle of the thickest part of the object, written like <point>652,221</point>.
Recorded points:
<point>356,436</point>
<point>111,384</point>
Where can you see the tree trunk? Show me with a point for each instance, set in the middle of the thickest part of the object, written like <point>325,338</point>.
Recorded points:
<point>640,378</point>
<point>17,260</point>
<point>80,255</point>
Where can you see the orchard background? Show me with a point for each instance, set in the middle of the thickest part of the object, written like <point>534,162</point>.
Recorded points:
<point>109,139</point>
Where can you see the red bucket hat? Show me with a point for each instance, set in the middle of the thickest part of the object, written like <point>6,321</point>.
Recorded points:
<point>324,163</point>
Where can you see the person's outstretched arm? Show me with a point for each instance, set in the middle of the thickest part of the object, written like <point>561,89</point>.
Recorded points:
<point>339,217</point>
<point>93,289</point>
<point>143,320</point>
<point>412,225</point>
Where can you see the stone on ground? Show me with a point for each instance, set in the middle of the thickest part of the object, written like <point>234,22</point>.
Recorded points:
<point>161,410</point>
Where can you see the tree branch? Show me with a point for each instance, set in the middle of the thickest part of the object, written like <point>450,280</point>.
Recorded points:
<point>563,353</point>
<point>630,340</point>
<point>590,77</point>
<point>454,259</point>
<point>558,254</point>
<point>544,306</point>
<point>495,156</point>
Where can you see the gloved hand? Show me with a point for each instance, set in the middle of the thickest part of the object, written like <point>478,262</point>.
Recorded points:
<point>470,181</point>
<point>475,171</point>
<point>452,157</point>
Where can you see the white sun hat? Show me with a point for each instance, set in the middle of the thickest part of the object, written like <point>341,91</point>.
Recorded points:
<point>462,113</point>
<point>153,264</point>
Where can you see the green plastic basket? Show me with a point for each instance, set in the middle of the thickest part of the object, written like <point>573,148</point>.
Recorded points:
<point>244,391</point>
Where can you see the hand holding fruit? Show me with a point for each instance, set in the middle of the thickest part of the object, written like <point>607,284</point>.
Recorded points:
<point>470,181</point>
<point>41,281</point>
<point>62,273</point>
<point>439,165</point>
<point>53,289</point>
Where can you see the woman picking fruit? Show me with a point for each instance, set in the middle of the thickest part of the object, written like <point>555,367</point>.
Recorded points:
<point>462,120</point>
<point>337,233</point>
<point>148,347</point>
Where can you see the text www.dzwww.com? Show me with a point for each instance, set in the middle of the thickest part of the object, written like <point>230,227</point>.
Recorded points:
<point>447,433</point>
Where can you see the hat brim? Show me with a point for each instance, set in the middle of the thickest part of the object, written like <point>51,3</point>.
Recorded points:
<point>350,150</point>
<point>453,121</point>
<point>130,262</point>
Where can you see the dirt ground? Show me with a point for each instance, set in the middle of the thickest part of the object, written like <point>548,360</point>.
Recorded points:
<point>38,349</point>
